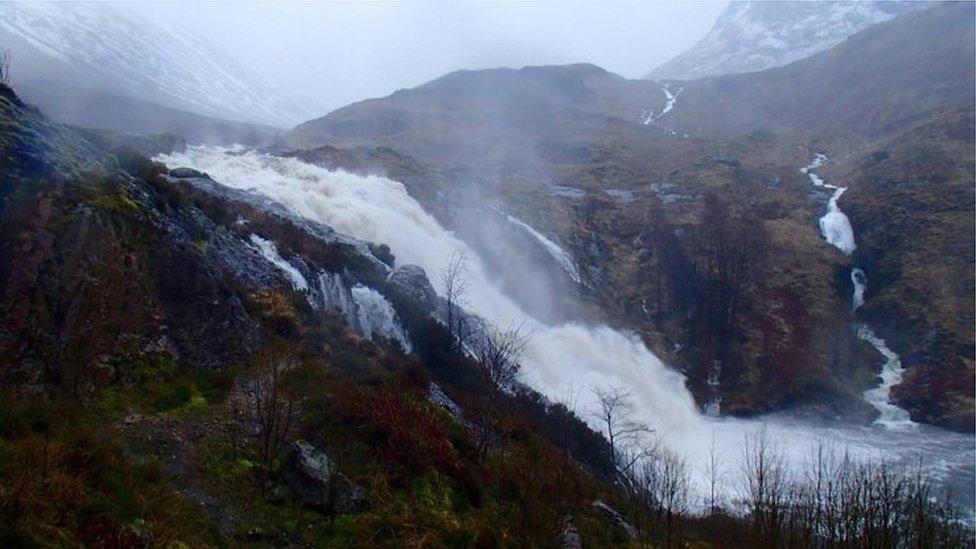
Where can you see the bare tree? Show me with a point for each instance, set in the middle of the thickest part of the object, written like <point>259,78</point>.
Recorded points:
<point>260,406</point>
<point>454,277</point>
<point>5,67</point>
<point>714,475</point>
<point>497,356</point>
<point>765,486</point>
<point>614,410</point>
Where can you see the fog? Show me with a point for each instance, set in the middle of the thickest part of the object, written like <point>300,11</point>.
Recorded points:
<point>331,54</point>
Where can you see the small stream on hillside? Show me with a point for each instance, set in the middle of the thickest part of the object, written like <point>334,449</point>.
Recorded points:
<point>837,231</point>
<point>567,360</point>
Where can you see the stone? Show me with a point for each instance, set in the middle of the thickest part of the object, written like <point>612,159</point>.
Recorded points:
<point>186,173</point>
<point>413,280</point>
<point>313,480</point>
<point>615,517</point>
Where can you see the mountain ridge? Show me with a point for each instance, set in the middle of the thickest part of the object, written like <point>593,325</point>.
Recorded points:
<point>751,36</point>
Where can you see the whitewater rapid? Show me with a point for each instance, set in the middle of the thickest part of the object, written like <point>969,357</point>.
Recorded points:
<point>836,230</point>
<point>565,362</point>
<point>834,225</point>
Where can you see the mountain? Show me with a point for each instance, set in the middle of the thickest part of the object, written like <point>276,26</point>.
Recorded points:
<point>876,82</point>
<point>98,48</point>
<point>147,315</point>
<point>752,36</point>
<point>495,119</point>
<point>631,177</point>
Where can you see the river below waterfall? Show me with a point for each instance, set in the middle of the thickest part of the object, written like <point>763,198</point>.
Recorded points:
<point>567,361</point>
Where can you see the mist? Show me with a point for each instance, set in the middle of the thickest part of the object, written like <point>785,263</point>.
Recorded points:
<point>332,54</point>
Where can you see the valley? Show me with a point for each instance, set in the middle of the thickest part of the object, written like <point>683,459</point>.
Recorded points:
<point>729,304</point>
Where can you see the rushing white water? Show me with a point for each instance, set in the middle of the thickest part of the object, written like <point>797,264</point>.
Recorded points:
<point>375,315</point>
<point>836,229</point>
<point>860,282</point>
<point>672,98</point>
<point>647,115</point>
<point>834,225</point>
<point>561,359</point>
<point>891,416</point>
<point>336,297</point>
<point>561,256</point>
<point>270,252</point>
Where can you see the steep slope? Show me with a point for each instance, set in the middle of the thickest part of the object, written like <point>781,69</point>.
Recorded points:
<point>877,81</point>
<point>97,48</point>
<point>499,119</point>
<point>573,153</point>
<point>100,111</point>
<point>911,204</point>
<point>752,36</point>
<point>147,315</point>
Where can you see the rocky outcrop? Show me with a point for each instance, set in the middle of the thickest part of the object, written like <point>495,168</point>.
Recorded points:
<point>569,537</point>
<point>314,481</point>
<point>615,518</point>
<point>414,282</point>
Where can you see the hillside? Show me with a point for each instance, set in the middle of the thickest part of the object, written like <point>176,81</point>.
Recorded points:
<point>101,66</point>
<point>875,82</point>
<point>751,36</point>
<point>620,174</point>
<point>102,111</point>
<point>152,318</point>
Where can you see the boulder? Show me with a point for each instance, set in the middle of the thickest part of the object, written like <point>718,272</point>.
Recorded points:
<point>413,280</point>
<point>615,517</point>
<point>569,536</point>
<point>186,173</point>
<point>313,480</point>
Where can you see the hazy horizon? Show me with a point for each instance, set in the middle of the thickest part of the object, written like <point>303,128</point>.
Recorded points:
<point>332,54</point>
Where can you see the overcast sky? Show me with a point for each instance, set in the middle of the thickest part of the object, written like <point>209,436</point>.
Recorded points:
<point>337,53</point>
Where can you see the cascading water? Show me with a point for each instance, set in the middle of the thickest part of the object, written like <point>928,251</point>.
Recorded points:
<point>560,255</point>
<point>561,359</point>
<point>834,225</point>
<point>375,315</point>
<point>837,231</point>
<point>860,282</point>
<point>270,252</point>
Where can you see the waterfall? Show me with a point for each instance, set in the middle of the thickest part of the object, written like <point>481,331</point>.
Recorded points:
<point>270,252</point>
<point>860,282</point>
<point>561,359</point>
<point>561,256</point>
<point>891,416</point>
<point>836,230</point>
<point>834,225</point>
<point>558,358</point>
<point>375,316</point>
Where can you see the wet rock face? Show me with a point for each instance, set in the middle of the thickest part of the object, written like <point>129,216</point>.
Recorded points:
<point>185,173</point>
<point>413,280</point>
<point>313,480</point>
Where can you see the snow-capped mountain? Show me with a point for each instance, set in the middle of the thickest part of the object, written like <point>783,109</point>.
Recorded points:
<point>754,35</point>
<point>105,49</point>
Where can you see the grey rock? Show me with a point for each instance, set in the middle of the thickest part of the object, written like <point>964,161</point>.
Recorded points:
<point>569,537</point>
<point>185,173</point>
<point>413,280</point>
<point>311,476</point>
<point>615,517</point>
<point>437,395</point>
